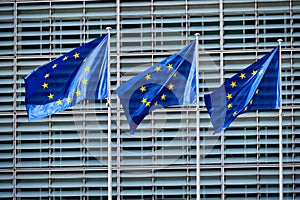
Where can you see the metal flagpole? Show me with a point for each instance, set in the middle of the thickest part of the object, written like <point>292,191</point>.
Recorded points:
<point>197,119</point>
<point>109,170</point>
<point>280,129</point>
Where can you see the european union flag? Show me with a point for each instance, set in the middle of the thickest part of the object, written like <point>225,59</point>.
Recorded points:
<point>255,88</point>
<point>78,75</point>
<point>170,82</point>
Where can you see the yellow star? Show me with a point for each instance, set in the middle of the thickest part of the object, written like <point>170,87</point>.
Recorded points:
<point>78,92</point>
<point>157,69</point>
<point>171,86</point>
<point>251,102</point>
<point>50,96</point>
<point>229,106</point>
<point>257,91</point>
<point>254,72</point>
<point>233,84</point>
<point>69,100</point>
<point>246,108</point>
<point>170,66</point>
<point>144,100</point>
<point>261,72</point>
<point>46,75</point>
<point>163,97</point>
<point>65,58</point>
<point>156,103</point>
<point>59,102</point>
<point>234,113</point>
<point>54,66</point>
<point>84,81</point>
<point>87,69</point>
<point>175,74</point>
<point>45,85</point>
<point>143,89</point>
<point>147,77</point>
<point>229,96</point>
<point>148,103</point>
<point>85,60</point>
<point>242,76</point>
<point>76,55</point>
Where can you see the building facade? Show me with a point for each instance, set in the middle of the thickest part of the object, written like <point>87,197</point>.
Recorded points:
<point>64,156</point>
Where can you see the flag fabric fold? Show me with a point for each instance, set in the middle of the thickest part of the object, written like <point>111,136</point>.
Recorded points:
<point>80,74</point>
<point>170,82</point>
<point>257,87</point>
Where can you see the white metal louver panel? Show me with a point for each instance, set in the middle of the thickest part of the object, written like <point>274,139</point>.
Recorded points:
<point>159,161</point>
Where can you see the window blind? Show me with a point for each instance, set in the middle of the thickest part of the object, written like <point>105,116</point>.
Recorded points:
<point>65,155</point>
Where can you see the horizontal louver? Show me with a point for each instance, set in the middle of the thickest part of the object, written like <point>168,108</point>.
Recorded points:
<point>65,156</point>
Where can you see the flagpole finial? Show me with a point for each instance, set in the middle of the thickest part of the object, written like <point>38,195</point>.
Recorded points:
<point>279,41</point>
<point>108,28</point>
<point>197,34</point>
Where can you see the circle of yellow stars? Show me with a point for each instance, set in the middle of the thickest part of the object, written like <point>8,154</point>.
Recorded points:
<point>84,81</point>
<point>147,77</point>
<point>233,84</point>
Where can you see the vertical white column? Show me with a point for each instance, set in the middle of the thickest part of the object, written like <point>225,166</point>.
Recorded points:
<point>221,20</point>
<point>280,130</point>
<point>118,68</point>
<point>109,170</point>
<point>197,118</point>
<point>15,103</point>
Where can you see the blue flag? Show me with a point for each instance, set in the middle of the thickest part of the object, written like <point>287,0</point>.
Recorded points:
<point>255,88</point>
<point>170,82</point>
<point>80,74</point>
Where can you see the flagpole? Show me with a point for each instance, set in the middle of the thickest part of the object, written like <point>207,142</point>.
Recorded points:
<point>280,129</point>
<point>109,170</point>
<point>197,119</point>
